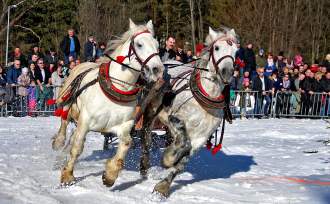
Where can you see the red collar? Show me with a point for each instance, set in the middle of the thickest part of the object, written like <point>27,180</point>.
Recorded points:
<point>200,87</point>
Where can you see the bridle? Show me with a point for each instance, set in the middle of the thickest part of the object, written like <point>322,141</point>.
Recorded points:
<point>132,51</point>
<point>216,63</point>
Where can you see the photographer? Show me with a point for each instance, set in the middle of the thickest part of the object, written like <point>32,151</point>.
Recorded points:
<point>90,49</point>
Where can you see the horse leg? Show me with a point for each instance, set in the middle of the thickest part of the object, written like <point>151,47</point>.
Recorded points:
<point>145,145</point>
<point>150,112</point>
<point>176,155</point>
<point>114,165</point>
<point>78,141</point>
<point>59,139</point>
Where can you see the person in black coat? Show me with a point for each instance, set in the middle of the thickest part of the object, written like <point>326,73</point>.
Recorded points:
<point>263,86</point>
<point>51,57</point>
<point>17,54</point>
<point>168,53</point>
<point>250,60</point>
<point>90,49</point>
<point>70,46</point>
<point>307,86</point>
<point>42,74</point>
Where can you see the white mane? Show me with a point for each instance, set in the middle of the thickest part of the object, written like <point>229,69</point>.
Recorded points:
<point>119,41</point>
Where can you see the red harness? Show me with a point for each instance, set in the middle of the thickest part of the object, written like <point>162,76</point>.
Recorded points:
<point>111,91</point>
<point>202,90</point>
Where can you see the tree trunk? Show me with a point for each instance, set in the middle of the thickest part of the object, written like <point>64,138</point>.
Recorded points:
<point>201,27</point>
<point>191,4</point>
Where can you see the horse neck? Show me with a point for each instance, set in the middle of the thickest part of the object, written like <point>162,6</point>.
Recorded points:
<point>123,73</point>
<point>210,83</point>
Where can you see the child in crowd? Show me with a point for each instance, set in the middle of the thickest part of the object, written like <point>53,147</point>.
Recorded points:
<point>23,81</point>
<point>245,101</point>
<point>32,104</point>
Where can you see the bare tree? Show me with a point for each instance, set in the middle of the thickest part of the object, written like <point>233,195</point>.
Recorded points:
<point>192,21</point>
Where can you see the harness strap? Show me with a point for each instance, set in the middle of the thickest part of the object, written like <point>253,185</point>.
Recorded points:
<point>227,116</point>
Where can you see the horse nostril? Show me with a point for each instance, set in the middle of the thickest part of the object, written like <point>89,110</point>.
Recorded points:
<point>224,72</point>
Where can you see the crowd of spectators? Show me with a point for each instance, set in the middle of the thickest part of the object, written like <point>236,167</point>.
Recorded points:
<point>34,78</point>
<point>299,88</point>
<point>259,78</point>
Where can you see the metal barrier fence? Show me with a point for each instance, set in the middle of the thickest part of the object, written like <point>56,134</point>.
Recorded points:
<point>244,104</point>
<point>23,101</point>
<point>284,104</point>
<point>294,104</point>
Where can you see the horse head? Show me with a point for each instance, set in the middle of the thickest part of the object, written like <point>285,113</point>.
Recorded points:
<point>143,51</point>
<point>222,49</point>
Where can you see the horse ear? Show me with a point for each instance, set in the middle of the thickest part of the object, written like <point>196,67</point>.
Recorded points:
<point>212,34</point>
<point>150,27</point>
<point>232,31</point>
<point>131,24</point>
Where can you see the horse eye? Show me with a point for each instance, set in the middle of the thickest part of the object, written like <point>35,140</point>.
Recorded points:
<point>139,45</point>
<point>217,48</point>
<point>229,42</point>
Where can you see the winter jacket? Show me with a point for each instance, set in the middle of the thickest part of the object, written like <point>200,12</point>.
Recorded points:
<point>240,53</point>
<point>318,86</point>
<point>39,76</point>
<point>277,85</point>
<point>257,84</point>
<point>21,58</point>
<point>88,51</point>
<point>65,45</point>
<point>260,61</point>
<point>234,83</point>
<point>250,60</point>
<point>51,59</point>
<point>308,84</point>
<point>269,69</point>
<point>325,83</point>
<point>171,54</point>
<point>23,81</point>
<point>13,74</point>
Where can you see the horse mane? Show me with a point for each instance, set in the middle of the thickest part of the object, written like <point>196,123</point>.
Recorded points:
<point>116,42</point>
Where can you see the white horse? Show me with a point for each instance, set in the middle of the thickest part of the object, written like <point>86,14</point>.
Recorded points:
<point>92,110</point>
<point>194,114</point>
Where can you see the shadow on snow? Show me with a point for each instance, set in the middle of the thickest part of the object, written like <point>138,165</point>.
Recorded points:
<point>203,165</point>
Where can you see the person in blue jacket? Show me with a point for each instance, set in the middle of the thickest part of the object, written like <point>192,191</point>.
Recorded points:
<point>13,72</point>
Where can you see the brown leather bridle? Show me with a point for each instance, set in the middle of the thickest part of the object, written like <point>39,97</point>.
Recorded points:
<point>216,63</point>
<point>132,51</point>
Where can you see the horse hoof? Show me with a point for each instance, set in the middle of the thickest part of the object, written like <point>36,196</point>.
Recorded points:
<point>57,145</point>
<point>162,188</point>
<point>67,184</point>
<point>106,181</point>
<point>68,181</point>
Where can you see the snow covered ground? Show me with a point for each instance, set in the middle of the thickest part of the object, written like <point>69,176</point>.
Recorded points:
<point>263,161</point>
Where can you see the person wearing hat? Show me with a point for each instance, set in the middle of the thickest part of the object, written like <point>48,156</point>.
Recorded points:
<point>260,58</point>
<point>90,49</point>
